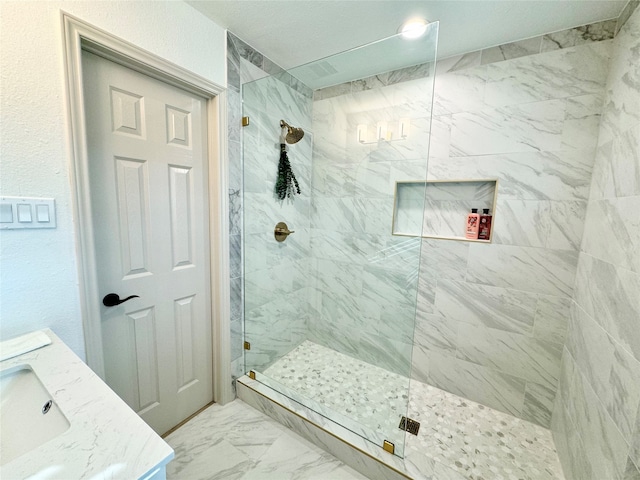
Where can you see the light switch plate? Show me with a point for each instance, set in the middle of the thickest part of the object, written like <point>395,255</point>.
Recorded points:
<point>6,212</point>
<point>24,213</point>
<point>27,212</point>
<point>42,213</point>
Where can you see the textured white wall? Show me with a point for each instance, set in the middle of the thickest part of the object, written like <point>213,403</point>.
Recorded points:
<point>38,269</point>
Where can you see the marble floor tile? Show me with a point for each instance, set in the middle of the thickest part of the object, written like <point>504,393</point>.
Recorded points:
<point>465,439</point>
<point>477,441</point>
<point>370,395</point>
<point>235,441</point>
<point>458,439</point>
<point>288,457</point>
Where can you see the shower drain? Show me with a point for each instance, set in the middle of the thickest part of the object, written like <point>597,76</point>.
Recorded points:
<point>409,425</point>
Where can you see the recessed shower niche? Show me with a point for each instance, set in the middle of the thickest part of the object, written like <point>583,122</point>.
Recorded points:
<point>441,210</point>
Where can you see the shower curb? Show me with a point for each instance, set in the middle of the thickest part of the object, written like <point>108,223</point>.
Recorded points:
<point>361,455</point>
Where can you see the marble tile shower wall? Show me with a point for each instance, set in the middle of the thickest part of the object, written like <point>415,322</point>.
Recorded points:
<point>596,417</point>
<point>366,279</point>
<point>234,145</point>
<point>276,274</point>
<point>492,318</point>
<point>276,295</point>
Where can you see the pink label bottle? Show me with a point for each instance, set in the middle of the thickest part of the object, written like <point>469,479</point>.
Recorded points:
<point>473,221</point>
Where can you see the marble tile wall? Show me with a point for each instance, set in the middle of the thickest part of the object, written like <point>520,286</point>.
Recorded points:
<point>492,323</point>
<point>596,417</point>
<point>595,32</point>
<point>366,280</point>
<point>491,318</point>
<point>269,295</point>
<point>234,145</point>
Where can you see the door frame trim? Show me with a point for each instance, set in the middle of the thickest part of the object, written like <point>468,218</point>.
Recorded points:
<point>77,36</point>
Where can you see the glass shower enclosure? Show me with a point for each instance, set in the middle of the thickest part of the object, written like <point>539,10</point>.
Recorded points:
<point>330,311</point>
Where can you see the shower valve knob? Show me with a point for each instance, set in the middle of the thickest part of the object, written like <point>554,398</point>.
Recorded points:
<point>281,232</point>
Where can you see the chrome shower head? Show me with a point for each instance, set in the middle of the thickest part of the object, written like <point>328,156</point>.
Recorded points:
<point>294,134</point>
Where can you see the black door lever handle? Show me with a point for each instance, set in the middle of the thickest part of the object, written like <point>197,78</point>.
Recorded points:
<point>113,299</point>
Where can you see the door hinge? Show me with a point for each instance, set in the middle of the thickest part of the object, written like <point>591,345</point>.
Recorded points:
<point>245,121</point>
<point>409,425</point>
<point>247,346</point>
<point>388,447</point>
<point>252,375</point>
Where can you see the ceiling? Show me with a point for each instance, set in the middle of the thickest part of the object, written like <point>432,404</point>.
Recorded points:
<point>295,32</point>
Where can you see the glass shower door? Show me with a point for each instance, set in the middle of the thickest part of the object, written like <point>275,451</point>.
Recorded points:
<point>330,311</point>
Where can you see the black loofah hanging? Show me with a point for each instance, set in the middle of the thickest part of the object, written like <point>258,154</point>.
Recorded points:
<point>286,185</point>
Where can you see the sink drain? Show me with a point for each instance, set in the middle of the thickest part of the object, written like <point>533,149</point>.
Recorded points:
<point>46,407</point>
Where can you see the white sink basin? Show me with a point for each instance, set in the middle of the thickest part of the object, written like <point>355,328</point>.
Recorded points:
<point>23,423</point>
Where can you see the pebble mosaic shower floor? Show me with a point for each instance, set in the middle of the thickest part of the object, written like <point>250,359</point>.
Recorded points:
<point>476,441</point>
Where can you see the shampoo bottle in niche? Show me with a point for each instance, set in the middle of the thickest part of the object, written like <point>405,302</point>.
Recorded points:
<point>484,231</point>
<point>472,224</point>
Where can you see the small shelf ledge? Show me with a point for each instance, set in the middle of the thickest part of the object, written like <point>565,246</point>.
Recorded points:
<point>438,208</point>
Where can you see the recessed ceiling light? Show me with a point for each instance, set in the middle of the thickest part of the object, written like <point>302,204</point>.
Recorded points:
<point>414,28</point>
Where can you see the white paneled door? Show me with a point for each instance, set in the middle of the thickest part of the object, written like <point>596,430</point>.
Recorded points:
<point>147,154</point>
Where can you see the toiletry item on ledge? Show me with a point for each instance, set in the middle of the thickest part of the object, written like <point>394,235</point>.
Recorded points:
<point>484,230</point>
<point>472,224</point>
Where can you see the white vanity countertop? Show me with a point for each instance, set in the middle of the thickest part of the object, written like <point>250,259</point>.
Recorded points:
<point>106,438</point>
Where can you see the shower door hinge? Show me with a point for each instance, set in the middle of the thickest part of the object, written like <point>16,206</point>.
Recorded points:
<point>245,121</point>
<point>387,446</point>
<point>252,375</point>
<point>409,425</point>
<point>247,346</point>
